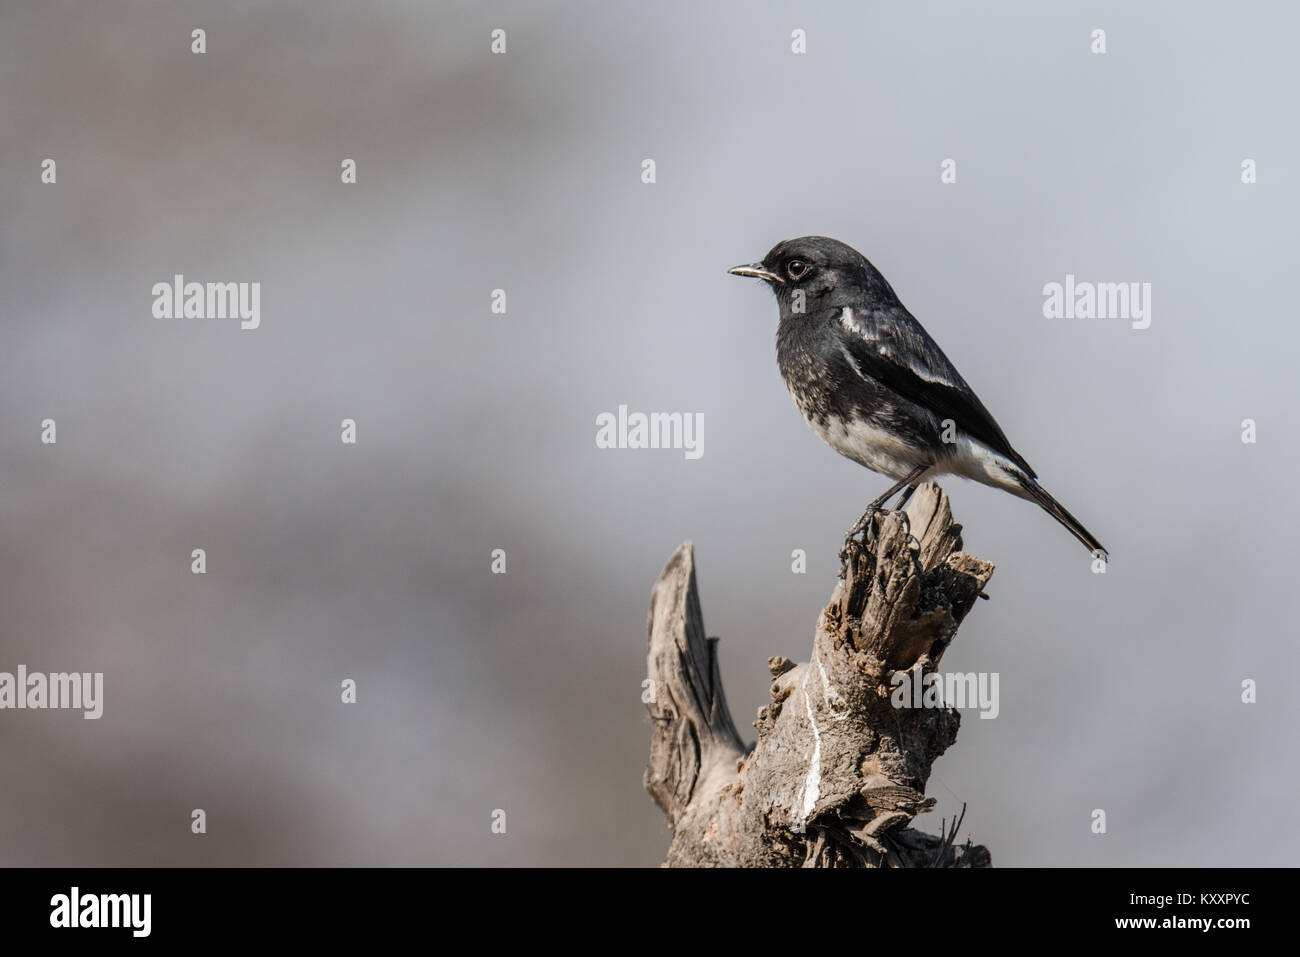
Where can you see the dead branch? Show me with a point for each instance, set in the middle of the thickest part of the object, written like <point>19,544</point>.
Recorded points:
<point>838,773</point>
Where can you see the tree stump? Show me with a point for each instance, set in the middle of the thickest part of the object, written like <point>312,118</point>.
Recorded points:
<point>837,773</point>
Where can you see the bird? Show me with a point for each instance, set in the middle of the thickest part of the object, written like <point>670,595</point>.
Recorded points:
<point>873,384</point>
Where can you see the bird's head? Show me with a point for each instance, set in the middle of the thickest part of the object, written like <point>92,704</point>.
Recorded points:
<point>817,273</point>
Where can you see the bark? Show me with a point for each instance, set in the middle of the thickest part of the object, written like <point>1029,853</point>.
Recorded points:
<point>837,773</point>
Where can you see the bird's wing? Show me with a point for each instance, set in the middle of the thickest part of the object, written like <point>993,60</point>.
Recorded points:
<point>893,349</point>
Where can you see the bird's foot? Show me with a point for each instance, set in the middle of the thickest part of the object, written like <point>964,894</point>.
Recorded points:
<point>864,527</point>
<point>846,552</point>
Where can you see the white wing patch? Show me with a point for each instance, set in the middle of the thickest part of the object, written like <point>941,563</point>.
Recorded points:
<point>849,320</point>
<point>851,361</point>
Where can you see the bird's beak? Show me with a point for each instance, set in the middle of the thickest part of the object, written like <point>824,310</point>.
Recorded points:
<point>756,271</point>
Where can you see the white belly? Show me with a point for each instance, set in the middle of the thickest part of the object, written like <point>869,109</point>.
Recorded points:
<point>885,453</point>
<point>867,445</point>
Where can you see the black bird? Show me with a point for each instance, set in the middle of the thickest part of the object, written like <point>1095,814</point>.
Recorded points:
<point>874,385</point>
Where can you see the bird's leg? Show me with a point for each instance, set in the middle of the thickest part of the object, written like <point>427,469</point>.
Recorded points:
<point>906,497</point>
<point>863,524</point>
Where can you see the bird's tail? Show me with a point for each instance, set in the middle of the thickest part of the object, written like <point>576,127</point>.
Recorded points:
<point>1052,507</point>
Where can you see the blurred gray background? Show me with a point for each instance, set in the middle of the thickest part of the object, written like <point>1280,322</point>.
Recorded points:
<point>521,691</point>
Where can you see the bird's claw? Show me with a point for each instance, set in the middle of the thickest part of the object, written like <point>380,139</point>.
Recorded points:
<point>864,526</point>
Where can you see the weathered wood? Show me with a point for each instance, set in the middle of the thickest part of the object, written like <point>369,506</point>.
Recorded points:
<point>838,773</point>
<point>693,734</point>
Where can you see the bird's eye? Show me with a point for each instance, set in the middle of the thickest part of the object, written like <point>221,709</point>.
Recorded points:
<point>797,269</point>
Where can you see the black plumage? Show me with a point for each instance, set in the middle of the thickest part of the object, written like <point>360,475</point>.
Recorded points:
<point>873,384</point>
